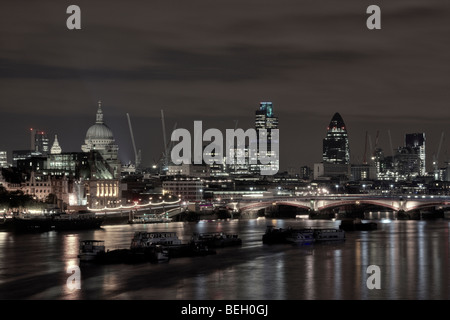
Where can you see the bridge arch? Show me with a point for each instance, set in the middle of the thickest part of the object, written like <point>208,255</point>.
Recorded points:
<point>266,204</point>
<point>416,205</point>
<point>336,204</point>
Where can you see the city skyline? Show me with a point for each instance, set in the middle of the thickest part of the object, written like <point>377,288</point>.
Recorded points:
<point>216,62</point>
<point>131,157</point>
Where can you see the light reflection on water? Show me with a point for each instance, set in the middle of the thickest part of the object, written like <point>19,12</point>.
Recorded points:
<point>413,257</point>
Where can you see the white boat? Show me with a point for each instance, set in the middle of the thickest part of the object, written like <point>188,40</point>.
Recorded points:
<point>161,253</point>
<point>329,234</point>
<point>300,236</point>
<point>89,249</point>
<point>148,239</point>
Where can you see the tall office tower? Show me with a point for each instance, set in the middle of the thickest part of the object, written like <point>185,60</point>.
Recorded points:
<point>3,159</point>
<point>39,142</point>
<point>416,141</point>
<point>335,145</point>
<point>265,119</point>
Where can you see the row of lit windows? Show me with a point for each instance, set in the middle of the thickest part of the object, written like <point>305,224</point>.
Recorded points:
<point>107,190</point>
<point>38,185</point>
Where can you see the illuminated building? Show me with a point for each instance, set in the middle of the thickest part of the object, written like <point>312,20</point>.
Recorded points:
<point>102,193</point>
<point>3,159</point>
<point>336,152</point>
<point>265,119</point>
<point>189,170</point>
<point>18,155</point>
<point>187,189</point>
<point>99,137</point>
<point>56,149</point>
<point>39,187</point>
<point>39,142</point>
<point>363,172</point>
<point>335,145</point>
<point>416,141</point>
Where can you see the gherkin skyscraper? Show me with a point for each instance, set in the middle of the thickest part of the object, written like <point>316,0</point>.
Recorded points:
<point>335,145</point>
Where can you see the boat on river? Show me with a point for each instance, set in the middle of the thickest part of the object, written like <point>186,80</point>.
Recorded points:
<point>275,235</point>
<point>57,222</point>
<point>329,234</point>
<point>147,239</point>
<point>90,249</point>
<point>357,225</point>
<point>151,247</point>
<point>302,235</point>
<point>216,239</point>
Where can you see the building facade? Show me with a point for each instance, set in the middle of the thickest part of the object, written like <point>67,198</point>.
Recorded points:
<point>416,142</point>
<point>186,189</point>
<point>39,142</point>
<point>3,159</point>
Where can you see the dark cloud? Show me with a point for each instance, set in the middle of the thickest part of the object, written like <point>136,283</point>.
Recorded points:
<point>215,60</point>
<point>236,63</point>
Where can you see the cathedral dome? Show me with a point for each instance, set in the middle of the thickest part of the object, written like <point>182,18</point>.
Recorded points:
<point>99,132</point>
<point>99,136</point>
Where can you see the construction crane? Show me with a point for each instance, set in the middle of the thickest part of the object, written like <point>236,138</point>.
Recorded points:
<point>390,143</point>
<point>137,155</point>
<point>436,158</point>
<point>165,153</point>
<point>164,159</point>
<point>376,139</point>
<point>365,150</point>
<point>375,149</point>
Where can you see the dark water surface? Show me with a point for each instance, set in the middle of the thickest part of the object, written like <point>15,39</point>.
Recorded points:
<point>413,257</point>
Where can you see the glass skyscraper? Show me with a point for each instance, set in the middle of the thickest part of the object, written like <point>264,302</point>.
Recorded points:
<point>40,142</point>
<point>336,148</point>
<point>265,119</point>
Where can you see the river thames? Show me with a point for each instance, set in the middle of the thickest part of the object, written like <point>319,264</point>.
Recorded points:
<point>412,256</point>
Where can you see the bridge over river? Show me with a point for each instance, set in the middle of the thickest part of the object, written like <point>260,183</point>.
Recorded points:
<point>318,204</point>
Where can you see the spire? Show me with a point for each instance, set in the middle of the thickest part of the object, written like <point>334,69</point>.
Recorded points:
<point>56,149</point>
<point>99,113</point>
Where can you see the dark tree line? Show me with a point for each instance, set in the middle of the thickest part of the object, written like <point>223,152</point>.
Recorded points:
<point>17,200</point>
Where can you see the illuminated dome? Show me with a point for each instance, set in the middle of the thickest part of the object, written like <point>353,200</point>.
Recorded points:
<point>99,132</point>
<point>98,136</point>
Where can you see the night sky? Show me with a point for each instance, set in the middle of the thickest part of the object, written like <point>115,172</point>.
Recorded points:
<point>215,60</point>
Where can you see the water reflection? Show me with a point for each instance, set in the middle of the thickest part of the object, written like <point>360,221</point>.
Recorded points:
<point>413,257</point>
